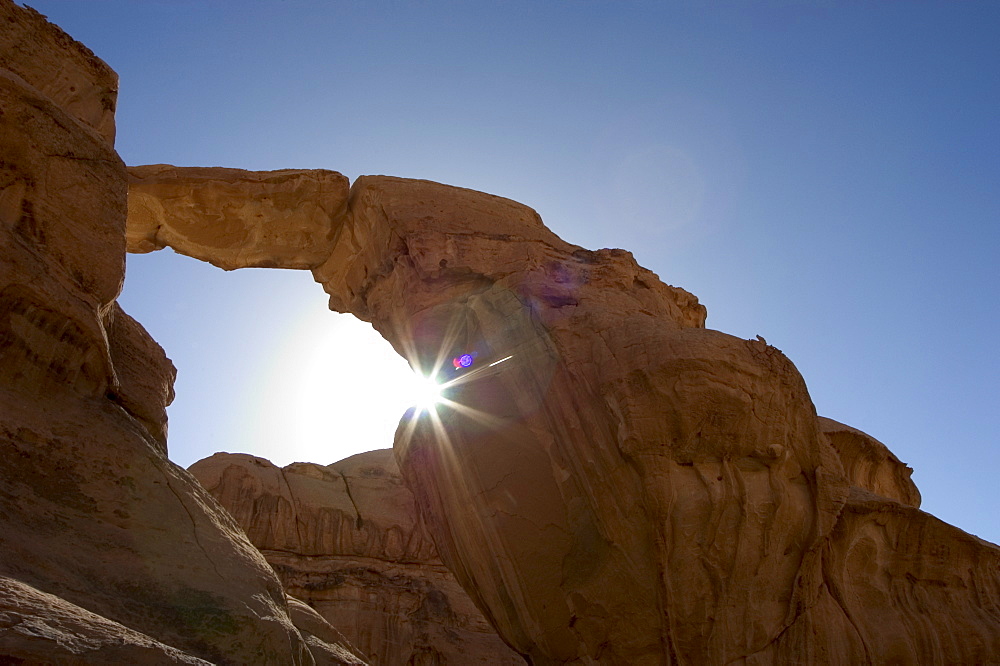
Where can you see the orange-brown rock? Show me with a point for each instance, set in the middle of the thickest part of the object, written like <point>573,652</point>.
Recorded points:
<point>346,538</point>
<point>630,487</point>
<point>40,628</point>
<point>616,484</point>
<point>327,644</point>
<point>62,69</point>
<point>109,553</point>
<point>869,464</point>
<point>234,218</point>
<point>144,376</point>
<point>611,483</point>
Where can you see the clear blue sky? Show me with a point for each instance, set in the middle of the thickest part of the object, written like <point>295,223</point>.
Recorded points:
<point>824,174</point>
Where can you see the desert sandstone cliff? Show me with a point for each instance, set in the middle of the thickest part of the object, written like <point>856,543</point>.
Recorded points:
<point>109,553</point>
<point>629,487</point>
<point>347,539</point>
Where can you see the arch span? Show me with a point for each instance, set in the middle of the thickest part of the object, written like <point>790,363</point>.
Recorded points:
<point>627,486</point>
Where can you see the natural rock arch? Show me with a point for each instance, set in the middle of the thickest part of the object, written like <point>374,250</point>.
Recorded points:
<point>630,487</point>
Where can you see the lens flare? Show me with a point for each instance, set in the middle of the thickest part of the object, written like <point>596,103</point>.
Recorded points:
<point>425,392</point>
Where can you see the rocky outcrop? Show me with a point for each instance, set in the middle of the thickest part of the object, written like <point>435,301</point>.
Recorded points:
<point>61,69</point>
<point>626,486</point>
<point>347,539</point>
<point>40,628</point>
<point>144,376</point>
<point>631,487</point>
<point>327,644</point>
<point>869,464</point>
<point>109,553</point>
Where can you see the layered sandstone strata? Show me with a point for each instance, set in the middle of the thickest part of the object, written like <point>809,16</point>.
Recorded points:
<point>347,539</point>
<point>108,551</point>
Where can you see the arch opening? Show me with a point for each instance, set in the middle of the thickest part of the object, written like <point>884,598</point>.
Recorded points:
<point>264,367</point>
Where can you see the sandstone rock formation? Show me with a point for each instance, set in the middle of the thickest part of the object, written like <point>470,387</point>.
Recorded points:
<point>233,218</point>
<point>109,553</point>
<point>61,69</point>
<point>869,464</point>
<point>346,538</point>
<point>630,487</point>
<point>40,628</point>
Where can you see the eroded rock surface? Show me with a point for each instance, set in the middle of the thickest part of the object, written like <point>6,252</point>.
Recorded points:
<point>40,628</point>
<point>628,487</point>
<point>631,487</point>
<point>346,538</point>
<point>61,68</point>
<point>612,483</point>
<point>869,464</point>
<point>233,218</point>
<point>109,553</point>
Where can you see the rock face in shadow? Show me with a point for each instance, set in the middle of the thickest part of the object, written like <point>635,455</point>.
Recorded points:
<point>614,483</point>
<point>61,69</point>
<point>347,539</point>
<point>109,553</point>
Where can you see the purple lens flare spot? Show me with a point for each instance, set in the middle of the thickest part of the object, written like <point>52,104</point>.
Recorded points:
<point>464,361</point>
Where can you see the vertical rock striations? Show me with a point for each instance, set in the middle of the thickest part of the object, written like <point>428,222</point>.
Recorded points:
<point>629,487</point>
<point>347,539</point>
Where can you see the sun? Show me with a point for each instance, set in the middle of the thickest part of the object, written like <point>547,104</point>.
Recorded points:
<point>424,393</point>
<point>333,388</point>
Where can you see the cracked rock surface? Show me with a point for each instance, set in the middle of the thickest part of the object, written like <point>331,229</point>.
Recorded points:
<point>347,539</point>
